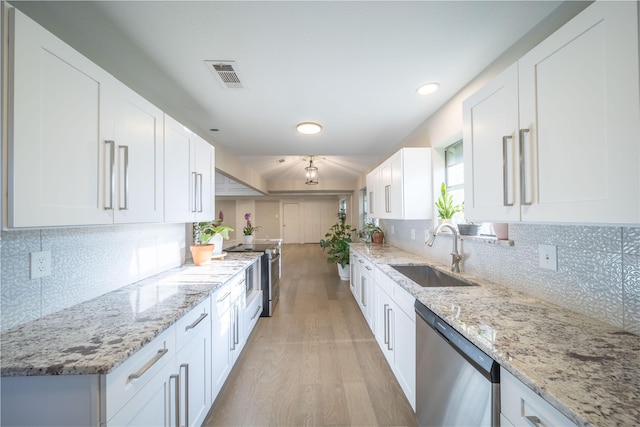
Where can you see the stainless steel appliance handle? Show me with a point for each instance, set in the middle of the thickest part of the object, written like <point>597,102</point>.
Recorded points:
<point>194,206</point>
<point>176,377</point>
<point>140,372</point>
<point>125,148</point>
<point>112,177</point>
<point>195,323</point>
<point>186,393</point>
<point>505,171</point>
<point>523,184</point>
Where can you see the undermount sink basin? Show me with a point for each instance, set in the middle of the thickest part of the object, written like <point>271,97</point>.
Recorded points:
<point>427,277</point>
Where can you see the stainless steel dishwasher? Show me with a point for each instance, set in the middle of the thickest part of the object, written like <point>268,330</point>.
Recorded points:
<point>456,383</point>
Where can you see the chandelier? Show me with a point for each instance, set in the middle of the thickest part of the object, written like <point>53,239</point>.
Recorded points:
<point>311,173</point>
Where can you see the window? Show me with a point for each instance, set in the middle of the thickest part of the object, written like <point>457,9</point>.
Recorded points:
<point>454,171</point>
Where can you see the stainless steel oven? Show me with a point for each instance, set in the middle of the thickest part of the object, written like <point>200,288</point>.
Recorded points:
<point>269,273</point>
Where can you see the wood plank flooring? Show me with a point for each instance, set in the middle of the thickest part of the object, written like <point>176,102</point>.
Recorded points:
<point>315,362</point>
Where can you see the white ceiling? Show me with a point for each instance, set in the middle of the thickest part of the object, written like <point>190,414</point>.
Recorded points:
<point>351,66</point>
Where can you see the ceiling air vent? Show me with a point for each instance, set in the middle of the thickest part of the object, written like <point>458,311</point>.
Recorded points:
<point>226,73</point>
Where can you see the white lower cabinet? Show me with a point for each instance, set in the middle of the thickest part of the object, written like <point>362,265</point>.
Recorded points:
<point>520,406</point>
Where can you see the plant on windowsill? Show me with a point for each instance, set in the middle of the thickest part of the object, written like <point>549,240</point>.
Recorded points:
<point>336,242</point>
<point>445,206</point>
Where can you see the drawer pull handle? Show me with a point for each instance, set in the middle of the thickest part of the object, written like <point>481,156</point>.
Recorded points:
<point>198,320</point>
<point>225,296</point>
<point>140,372</point>
<point>533,421</point>
<point>367,267</point>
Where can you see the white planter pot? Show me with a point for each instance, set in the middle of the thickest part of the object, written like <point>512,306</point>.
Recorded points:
<point>248,240</point>
<point>217,241</point>
<point>344,273</point>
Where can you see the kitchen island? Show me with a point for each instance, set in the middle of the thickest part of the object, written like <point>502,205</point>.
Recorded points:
<point>586,369</point>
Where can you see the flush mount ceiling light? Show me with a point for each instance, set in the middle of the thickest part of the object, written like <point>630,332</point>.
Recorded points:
<point>311,173</point>
<point>427,88</point>
<point>308,128</point>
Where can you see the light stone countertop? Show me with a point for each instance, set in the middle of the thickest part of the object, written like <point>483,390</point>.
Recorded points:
<point>98,335</point>
<point>587,369</point>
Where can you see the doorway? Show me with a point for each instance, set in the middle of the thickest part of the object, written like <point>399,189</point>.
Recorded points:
<point>291,223</point>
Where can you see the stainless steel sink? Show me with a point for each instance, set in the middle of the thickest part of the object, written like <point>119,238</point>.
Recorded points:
<point>427,277</point>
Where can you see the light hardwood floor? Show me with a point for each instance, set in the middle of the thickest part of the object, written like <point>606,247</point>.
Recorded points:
<point>315,362</point>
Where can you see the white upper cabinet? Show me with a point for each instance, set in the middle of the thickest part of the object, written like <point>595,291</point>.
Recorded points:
<point>189,175</point>
<point>401,186</point>
<point>572,155</point>
<point>83,149</point>
<point>55,146</point>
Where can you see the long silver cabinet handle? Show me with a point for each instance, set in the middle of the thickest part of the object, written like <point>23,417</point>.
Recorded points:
<point>140,372</point>
<point>371,202</point>
<point>386,323</point>
<point>186,393</point>
<point>233,327</point>
<point>195,323</point>
<point>194,206</point>
<point>533,421</point>
<point>387,198</point>
<point>112,177</point>
<point>225,296</point>
<point>125,149</point>
<point>523,184</point>
<point>389,346</point>
<point>363,282</point>
<point>258,310</point>
<point>176,377</point>
<point>200,191</point>
<point>505,171</point>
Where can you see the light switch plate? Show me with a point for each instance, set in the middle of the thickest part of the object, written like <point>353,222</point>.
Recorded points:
<point>548,256</point>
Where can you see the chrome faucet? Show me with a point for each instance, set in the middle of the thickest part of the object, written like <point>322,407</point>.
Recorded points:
<point>455,256</point>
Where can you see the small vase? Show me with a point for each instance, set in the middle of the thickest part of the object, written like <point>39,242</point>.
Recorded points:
<point>201,254</point>
<point>248,240</point>
<point>217,241</point>
<point>502,230</point>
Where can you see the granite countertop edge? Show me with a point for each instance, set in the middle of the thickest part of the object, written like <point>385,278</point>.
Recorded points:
<point>494,305</point>
<point>97,336</point>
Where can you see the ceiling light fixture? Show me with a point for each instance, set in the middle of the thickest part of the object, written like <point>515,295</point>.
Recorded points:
<point>308,128</point>
<point>311,173</point>
<point>427,88</point>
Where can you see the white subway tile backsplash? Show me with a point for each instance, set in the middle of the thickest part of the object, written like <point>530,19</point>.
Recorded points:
<point>598,267</point>
<point>86,262</point>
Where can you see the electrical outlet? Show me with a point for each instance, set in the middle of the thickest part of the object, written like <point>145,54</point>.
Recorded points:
<point>548,257</point>
<point>393,230</point>
<point>413,234</point>
<point>40,264</point>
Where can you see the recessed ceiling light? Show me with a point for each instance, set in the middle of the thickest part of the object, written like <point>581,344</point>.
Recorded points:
<point>308,128</point>
<point>427,88</point>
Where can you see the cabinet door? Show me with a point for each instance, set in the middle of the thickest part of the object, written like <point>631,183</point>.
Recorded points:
<point>138,137</point>
<point>155,405</point>
<point>204,167</point>
<point>194,366</point>
<point>221,326</point>
<point>404,353</point>
<point>55,148</point>
<point>490,135</point>
<point>375,200</point>
<point>178,180</point>
<point>580,116</point>
<point>383,321</point>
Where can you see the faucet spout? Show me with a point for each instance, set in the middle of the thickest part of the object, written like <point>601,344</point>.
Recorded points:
<point>455,256</point>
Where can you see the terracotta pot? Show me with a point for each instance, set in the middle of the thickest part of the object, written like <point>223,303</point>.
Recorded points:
<point>377,237</point>
<point>201,254</point>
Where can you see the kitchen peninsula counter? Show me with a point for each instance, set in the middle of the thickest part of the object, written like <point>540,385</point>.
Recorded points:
<point>96,336</point>
<point>587,369</point>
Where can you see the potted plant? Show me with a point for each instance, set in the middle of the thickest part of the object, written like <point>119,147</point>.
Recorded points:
<point>336,242</point>
<point>446,208</point>
<point>249,229</point>
<point>373,233</point>
<point>213,232</point>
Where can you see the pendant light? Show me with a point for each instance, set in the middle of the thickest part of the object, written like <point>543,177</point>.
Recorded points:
<point>311,173</point>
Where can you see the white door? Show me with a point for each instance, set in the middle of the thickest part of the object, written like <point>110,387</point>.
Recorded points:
<point>291,223</point>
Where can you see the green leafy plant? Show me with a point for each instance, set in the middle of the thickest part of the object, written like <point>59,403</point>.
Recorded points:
<point>445,206</point>
<point>204,231</point>
<point>336,242</point>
